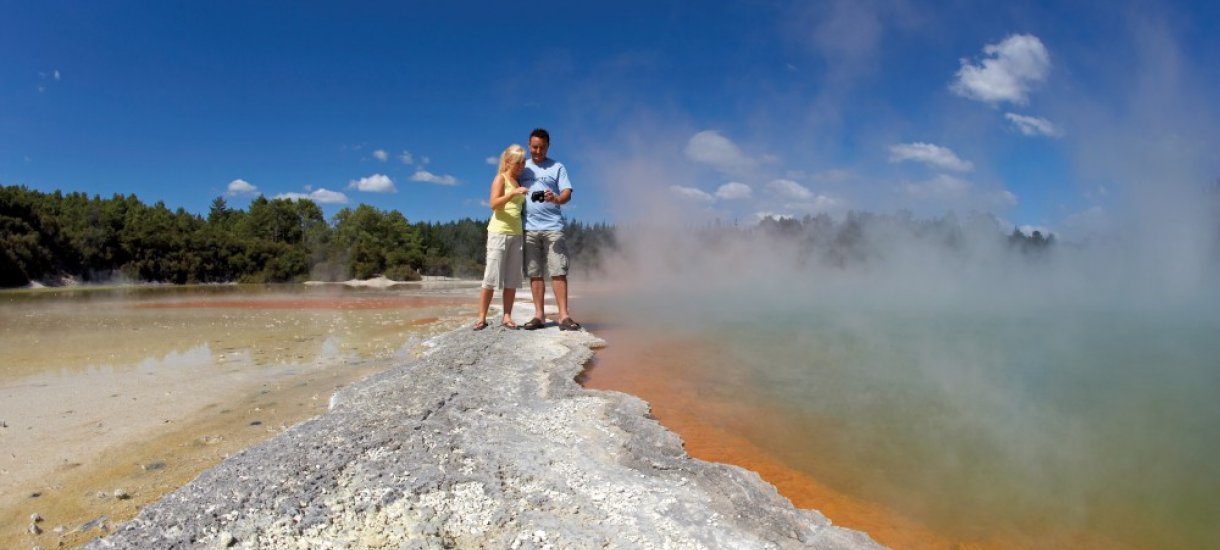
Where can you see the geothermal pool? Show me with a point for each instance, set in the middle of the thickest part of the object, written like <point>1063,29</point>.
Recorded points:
<point>1036,424</point>
<point>110,398</point>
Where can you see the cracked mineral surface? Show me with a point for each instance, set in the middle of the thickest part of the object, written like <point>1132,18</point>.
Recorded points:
<point>485,440</point>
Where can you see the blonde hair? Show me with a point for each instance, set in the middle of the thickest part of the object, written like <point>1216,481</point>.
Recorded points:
<point>512,156</point>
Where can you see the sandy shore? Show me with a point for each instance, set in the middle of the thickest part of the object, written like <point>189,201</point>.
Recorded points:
<point>108,403</point>
<point>486,440</point>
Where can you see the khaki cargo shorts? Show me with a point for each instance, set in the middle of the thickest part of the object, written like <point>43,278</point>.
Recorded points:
<point>546,253</point>
<point>503,261</point>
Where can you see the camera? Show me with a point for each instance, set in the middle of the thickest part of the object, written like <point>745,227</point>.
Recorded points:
<point>538,196</point>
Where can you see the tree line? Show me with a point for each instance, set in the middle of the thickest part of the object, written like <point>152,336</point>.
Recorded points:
<point>862,238</point>
<point>45,237</point>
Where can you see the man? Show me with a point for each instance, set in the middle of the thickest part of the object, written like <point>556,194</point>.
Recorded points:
<point>546,252</point>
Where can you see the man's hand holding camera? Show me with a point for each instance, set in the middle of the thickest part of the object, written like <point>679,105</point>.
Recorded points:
<point>544,196</point>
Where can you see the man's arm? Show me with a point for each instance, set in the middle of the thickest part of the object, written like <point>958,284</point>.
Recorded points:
<point>565,187</point>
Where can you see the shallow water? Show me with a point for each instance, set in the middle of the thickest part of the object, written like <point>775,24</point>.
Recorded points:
<point>139,389</point>
<point>1038,426</point>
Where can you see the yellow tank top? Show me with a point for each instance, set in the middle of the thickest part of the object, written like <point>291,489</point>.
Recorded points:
<point>507,220</point>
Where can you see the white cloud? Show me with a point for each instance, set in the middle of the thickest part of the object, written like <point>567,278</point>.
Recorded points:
<point>493,161</point>
<point>406,157</point>
<point>789,189</point>
<point>323,196</point>
<point>428,177</point>
<point>930,154</point>
<point>692,193</point>
<point>376,183</point>
<point>734,191</point>
<point>710,148</point>
<point>320,195</point>
<point>56,74</point>
<point>1008,72</point>
<point>942,186</point>
<point>381,155</point>
<point>240,186</point>
<point>1004,198</point>
<point>1033,126</point>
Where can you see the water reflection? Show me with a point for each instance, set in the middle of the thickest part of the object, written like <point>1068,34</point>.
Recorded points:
<point>67,330</point>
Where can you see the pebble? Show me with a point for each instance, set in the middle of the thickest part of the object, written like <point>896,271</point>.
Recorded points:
<point>99,523</point>
<point>152,466</point>
<point>35,518</point>
<point>121,494</point>
<point>35,529</point>
<point>226,539</point>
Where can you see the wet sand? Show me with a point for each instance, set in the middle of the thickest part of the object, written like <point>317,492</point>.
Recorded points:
<point>713,426</point>
<point>109,405</point>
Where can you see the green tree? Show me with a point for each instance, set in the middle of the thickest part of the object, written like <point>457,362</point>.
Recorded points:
<point>374,242</point>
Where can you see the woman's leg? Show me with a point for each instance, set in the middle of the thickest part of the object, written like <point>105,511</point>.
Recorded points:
<point>485,295</point>
<point>509,294</point>
<point>491,276</point>
<point>513,255</point>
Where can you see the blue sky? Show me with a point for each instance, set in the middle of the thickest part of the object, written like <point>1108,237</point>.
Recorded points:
<point>1057,115</point>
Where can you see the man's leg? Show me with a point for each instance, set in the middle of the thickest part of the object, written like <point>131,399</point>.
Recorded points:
<point>538,289</point>
<point>535,268</point>
<point>557,264</point>
<point>559,285</point>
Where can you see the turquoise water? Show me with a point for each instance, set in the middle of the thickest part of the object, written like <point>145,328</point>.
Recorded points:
<point>1030,418</point>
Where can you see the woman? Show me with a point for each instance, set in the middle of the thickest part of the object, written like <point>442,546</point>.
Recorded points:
<point>504,237</point>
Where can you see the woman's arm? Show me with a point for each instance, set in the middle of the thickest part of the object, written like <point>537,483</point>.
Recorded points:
<point>498,199</point>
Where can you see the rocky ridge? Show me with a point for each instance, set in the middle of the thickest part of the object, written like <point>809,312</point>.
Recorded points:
<point>485,440</point>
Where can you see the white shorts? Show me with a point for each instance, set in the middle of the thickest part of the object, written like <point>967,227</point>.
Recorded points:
<point>504,259</point>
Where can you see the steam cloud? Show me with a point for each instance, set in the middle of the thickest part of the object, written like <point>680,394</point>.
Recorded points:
<point>1148,248</point>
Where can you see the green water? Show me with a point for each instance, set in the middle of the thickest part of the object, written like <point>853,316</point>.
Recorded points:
<point>1034,419</point>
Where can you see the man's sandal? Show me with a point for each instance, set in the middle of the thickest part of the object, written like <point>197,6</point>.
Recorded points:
<point>568,324</point>
<point>534,324</point>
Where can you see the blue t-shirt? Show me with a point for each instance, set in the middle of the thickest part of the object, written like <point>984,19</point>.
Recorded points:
<point>543,216</point>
